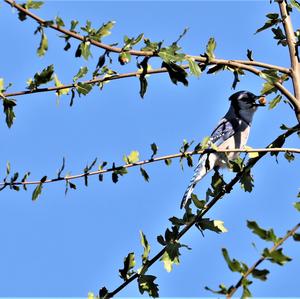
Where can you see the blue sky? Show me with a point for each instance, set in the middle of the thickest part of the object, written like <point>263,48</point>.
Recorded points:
<point>70,245</point>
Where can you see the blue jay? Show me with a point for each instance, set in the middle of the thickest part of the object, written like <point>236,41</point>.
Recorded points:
<point>231,132</point>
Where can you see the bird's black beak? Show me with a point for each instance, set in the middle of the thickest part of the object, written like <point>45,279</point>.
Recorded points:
<point>260,101</point>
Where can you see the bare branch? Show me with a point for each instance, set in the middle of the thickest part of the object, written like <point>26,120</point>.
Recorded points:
<point>162,158</point>
<point>261,259</point>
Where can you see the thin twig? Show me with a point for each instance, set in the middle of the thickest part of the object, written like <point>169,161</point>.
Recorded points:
<point>260,260</point>
<point>162,158</point>
<point>137,52</point>
<point>188,226</point>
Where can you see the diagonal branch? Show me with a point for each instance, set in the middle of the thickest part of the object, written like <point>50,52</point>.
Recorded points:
<point>261,259</point>
<point>208,207</point>
<point>162,158</point>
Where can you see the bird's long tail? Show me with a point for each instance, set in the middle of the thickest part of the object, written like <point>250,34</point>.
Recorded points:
<point>200,171</point>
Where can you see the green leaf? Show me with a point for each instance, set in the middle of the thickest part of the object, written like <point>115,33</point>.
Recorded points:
<point>279,35</point>
<point>213,225</point>
<point>246,292</point>
<point>146,284</point>
<point>168,162</point>
<point>289,156</point>
<point>222,290</point>
<point>83,88</point>
<point>133,157</point>
<point>217,182</point>
<point>8,106</point>
<point>143,85</point>
<point>250,54</point>
<point>146,247</point>
<point>129,263</point>
<point>144,174</point>
<point>273,20</point>
<point>103,293</point>
<point>200,204</point>
<point>194,67</point>
<point>59,84</point>
<point>43,77</point>
<point>296,237</point>
<point>234,265</point>
<point>170,55</point>
<point>297,206</point>
<point>260,274</point>
<point>8,167</point>
<point>170,260</point>
<point>33,4</point>
<point>81,73</point>
<point>295,4</point>
<point>268,88</point>
<point>247,181</point>
<point>210,48</point>
<point>104,30</point>
<point>59,21</point>
<point>176,73</point>
<point>276,256</point>
<point>273,103</point>
<point>154,149</point>
<point>267,235</point>
<point>37,191</point>
<point>43,47</point>
<point>85,50</point>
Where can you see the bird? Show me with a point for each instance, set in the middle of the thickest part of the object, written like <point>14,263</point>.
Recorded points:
<point>232,132</point>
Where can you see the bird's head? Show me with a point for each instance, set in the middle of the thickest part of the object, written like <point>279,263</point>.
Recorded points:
<point>245,103</point>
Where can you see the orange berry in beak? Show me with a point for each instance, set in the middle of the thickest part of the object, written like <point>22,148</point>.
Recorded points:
<point>262,101</point>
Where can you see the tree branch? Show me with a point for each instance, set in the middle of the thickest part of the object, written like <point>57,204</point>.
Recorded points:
<point>137,52</point>
<point>291,42</point>
<point>262,258</point>
<point>162,158</point>
<point>228,187</point>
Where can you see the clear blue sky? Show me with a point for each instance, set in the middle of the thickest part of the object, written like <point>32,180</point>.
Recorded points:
<point>70,245</point>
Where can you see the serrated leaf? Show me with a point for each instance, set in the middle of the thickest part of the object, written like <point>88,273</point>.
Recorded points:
<point>199,204</point>
<point>260,274</point>
<point>247,181</point>
<point>8,109</point>
<point>168,261</point>
<point>133,157</point>
<point>81,73</point>
<point>33,4</point>
<point>213,225</point>
<point>59,84</point>
<point>176,73</point>
<point>234,265</point>
<point>273,20</point>
<point>59,21</point>
<point>144,174</point>
<point>146,247</point>
<point>85,50</point>
<point>146,284</point>
<point>210,48</point>
<point>273,103</point>
<point>83,88</point>
<point>194,67</point>
<point>37,191</point>
<point>43,77</point>
<point>129,263</point>
<point>104,30</point>
<point>267,235</point>
<point>276,256</point>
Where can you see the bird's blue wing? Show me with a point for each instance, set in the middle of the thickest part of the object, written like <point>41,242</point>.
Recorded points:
<point>224,130</point>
